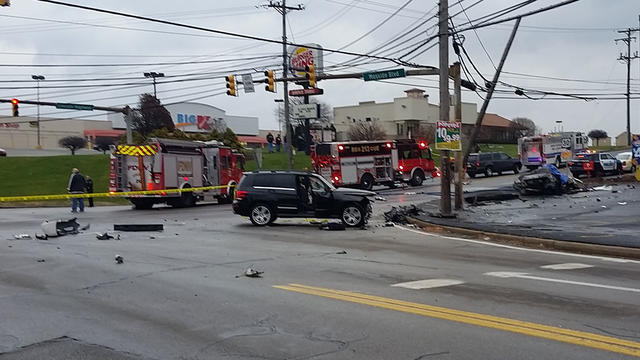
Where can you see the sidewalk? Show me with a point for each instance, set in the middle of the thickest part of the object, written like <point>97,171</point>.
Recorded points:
<point>607,217</point>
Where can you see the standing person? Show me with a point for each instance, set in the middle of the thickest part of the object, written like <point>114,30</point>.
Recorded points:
<point>278,143</point>
<point>90,189</point>
<point>77,185</point>
<point>270,141</point>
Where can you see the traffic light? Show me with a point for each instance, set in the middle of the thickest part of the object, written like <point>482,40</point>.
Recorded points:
<point>14,105</point>
<point>271,86</point>
<point>231,85</point>
<point>5,3</point>
<point>310,75</point>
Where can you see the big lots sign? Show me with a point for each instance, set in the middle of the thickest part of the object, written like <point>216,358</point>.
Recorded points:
<point>202,122</point>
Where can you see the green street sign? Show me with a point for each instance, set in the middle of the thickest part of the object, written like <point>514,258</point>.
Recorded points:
<point>448,135</point>
<point>74,106</point>
<point>381,75</point>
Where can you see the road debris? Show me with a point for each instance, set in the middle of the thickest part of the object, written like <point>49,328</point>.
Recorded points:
<point>41,236</point>
<point>61,227</point>
<point>333,226</point>
<point>343,252</point>
<point>138,227</point>
<point>21,236</point>
<point>119,259</point>
<point>380,198</point>
<point>104,236</point>
<point>398,215</point>
<point>603,188</point>
<point>389,224</point>
<point>622,203</point>
<point>41,260</point>
<point>253,273</point>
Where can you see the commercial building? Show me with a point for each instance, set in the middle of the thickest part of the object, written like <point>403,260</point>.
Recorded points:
<point>621,140</point>
<point>22,132</point>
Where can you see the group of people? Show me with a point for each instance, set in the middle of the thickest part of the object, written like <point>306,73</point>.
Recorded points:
<point>271,141</point>
<point>78,184</point>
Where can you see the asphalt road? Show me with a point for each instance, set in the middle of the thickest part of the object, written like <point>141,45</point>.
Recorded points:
<point>181,293</point>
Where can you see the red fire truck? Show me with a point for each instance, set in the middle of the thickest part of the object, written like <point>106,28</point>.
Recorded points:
<point>175,164</point>
<point>366,163</point>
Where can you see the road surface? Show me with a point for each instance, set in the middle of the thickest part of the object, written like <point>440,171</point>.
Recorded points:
<point>379,293</point>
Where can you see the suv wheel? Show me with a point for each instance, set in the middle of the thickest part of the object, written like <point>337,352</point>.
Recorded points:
<point>488,171</point>
<point>366,182</point>
<point>417,178</point>
<point>353,215</point>
<point>261,215</point>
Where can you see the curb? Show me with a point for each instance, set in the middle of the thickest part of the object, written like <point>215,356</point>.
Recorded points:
<point>539,243</point>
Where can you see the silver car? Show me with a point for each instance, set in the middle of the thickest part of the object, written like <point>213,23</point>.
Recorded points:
<point>627,161</point>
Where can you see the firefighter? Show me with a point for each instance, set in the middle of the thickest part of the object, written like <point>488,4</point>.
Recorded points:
<point>77,185</point>
<point>89,183</point>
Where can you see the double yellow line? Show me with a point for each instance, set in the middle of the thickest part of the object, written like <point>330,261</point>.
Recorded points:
<point>581,338</point>
<point>108,194</point>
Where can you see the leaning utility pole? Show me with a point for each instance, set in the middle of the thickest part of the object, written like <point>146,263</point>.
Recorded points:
<point>459,168</point>
<point>282,8</point>
<point>443,46</point>
<point>627,58</point>
<point>491,87</point>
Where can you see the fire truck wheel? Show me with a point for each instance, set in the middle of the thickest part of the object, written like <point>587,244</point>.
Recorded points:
<point>141,204</point>
<point>417,178</point>
<point>353,215</point>
<point>261,215</point>
<point>366,182</point>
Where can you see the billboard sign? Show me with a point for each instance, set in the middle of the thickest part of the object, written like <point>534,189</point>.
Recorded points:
<point>448,135</point>
<point>300,56</point>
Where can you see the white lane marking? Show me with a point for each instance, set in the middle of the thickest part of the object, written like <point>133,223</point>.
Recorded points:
<point>428,284</point>
<point>604,258</point>
<point>505,274</point>
<point>566,266</point>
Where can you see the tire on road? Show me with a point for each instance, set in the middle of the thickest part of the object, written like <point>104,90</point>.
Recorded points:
<point>417,178</point>
<point>353,215</point>
<point>366,182</point>
<point>261,214</point>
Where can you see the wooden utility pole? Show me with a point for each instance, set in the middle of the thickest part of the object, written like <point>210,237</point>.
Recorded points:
<point>459,168</point>
<point>443,46</point>
<point>627,58</point>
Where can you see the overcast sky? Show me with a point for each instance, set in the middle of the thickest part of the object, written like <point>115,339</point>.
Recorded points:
<point>575,42</point>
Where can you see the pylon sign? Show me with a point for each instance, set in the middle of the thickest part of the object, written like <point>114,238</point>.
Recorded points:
<point>304,55</point>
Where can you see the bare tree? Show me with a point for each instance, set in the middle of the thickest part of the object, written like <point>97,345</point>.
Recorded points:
<point>73,143</point>
<point>597,134</point>
<point>366,131</point>
<point>103,143</point>
<point>426,132</point>
<point>527,126</point>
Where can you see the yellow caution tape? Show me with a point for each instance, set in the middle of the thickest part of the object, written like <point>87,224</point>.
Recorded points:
<point>108,194</point>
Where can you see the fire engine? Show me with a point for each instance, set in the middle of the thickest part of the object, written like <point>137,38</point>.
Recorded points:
<point>366,163</point>
<point>163,164</point>
<point>554,148</point>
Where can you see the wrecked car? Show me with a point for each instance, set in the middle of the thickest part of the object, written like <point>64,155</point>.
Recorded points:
<point>547,180</point>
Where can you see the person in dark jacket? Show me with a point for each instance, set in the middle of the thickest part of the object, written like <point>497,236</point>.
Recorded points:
<point>278,143</point>
<point>77,185</point>
<point>89,182</point>
<point>270,142</point>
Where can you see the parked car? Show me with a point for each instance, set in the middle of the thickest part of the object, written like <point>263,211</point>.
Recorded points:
<point>491,163</point>
<point>264,196</point>
<point>3,152</point>
<point>627,161</point>
<point>595,164</point>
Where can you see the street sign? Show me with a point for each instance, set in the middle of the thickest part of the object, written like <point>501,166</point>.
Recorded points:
<point>306,111</point>
<point>74,106</point>
<point>448,135</point>
<point>381,75</point>
<point>247,83</point>
<point>303,92</point>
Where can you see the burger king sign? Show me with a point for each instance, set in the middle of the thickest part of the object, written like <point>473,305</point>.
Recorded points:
<point>301,56</point>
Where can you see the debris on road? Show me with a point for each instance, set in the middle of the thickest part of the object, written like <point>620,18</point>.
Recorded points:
<point>380,198</point>
<point>61,227</point>
<point>104,236</point>
<point>343,252</point>
<point>253,273</point>
<point>333,226</point>
<point>138,227</point>
<point>119,259</point>
<point>603,188</point>
<point>622,203</point>
<point>389,224</point>
<point>41,236</point>
<point>21,236</point>
<point>41,260</point>
<point>398,215</point>
<point>547,180</point>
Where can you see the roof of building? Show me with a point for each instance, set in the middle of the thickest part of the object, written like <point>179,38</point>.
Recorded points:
<point>497,121</point>
<point>414,90</point>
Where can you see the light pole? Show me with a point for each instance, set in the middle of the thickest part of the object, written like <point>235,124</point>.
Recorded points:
<point>279,114</point>
<point>38,78</point>
<point>154,75</point>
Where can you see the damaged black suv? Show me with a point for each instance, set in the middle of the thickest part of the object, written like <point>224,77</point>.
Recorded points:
<point>264,196</point>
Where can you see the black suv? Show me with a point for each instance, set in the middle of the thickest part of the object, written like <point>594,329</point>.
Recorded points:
<point>264,196</point>
<point>491,163</point>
